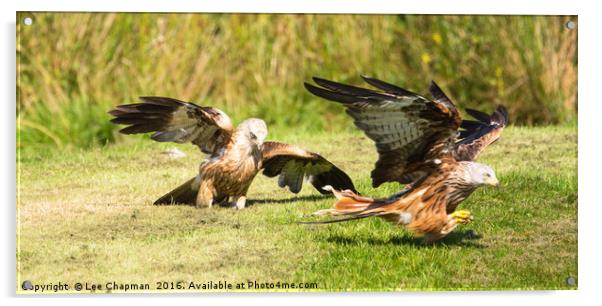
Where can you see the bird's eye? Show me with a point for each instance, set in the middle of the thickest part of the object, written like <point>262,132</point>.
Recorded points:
<point>253,136</point>
<point>487,175</point>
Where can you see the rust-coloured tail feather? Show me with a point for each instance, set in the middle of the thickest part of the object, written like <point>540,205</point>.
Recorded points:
<point>348,201</point>
<point>352,205</point>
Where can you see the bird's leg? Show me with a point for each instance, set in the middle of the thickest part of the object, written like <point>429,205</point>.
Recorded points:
<point>461,216</point>
<point>239,202</point>
<point>455,218</point>
<point>204,198</point>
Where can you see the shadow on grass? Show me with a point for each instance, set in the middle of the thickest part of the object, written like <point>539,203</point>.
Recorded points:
<point>251,202</point>
<point>461,237</point>
<point>174,204</point>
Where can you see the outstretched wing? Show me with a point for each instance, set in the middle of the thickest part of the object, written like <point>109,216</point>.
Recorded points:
<point>293,164</point>
<point>475,136</point>
<point>412,133</point>
<point>174,120</point>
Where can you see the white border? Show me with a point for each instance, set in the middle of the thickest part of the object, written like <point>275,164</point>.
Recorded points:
<point>589,148</point>
<point>552,7</point>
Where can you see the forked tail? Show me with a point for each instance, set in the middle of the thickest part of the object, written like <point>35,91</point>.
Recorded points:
<point>352,205</point>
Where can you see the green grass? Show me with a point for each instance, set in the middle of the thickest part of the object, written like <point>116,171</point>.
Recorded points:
<point>87,215</point>
<point>73,67</point>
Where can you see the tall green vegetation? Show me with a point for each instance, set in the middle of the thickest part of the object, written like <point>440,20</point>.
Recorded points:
<point>73,67</point>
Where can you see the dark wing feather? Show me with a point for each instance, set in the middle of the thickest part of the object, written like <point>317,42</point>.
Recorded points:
<point>292,165</point>
<point>441,97</point>
<point>174,120</point>
<point>390,88</point>
<point>409,131</point>
<point>475,136</point>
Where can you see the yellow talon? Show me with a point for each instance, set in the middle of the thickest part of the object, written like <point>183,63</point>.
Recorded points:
<point>462,216</point>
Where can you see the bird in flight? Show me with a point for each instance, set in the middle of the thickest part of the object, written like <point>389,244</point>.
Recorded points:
<point>421,142</point>
<point>234,155</point>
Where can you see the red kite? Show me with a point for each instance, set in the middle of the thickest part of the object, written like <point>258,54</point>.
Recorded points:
<point>235,156</point>
<point>418,143</point>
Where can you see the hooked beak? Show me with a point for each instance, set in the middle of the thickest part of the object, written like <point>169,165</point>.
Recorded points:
<point>493,182</point>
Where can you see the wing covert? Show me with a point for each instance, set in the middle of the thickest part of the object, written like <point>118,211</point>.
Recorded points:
<point>411,133</point>
<point>475,136</point>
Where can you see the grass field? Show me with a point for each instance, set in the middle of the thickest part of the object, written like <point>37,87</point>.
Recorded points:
<point>87,216</point>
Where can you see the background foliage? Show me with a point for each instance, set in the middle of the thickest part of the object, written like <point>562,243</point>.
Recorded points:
<point>73,67</point>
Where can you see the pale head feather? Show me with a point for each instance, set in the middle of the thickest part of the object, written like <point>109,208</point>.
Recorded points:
<point>255,129</point>
<point>479,174</point>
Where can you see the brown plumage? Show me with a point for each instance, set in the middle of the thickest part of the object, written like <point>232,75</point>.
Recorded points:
<point>235,156</point>
<point>477,135</point>
<point>418,143</point>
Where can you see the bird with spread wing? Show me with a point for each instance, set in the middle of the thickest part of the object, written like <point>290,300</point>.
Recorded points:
<point>235,155</point>
<point>420,142</point>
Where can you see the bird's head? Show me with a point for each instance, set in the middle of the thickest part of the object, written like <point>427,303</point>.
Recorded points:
<point>480,174</point>
<point>256,130</point>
